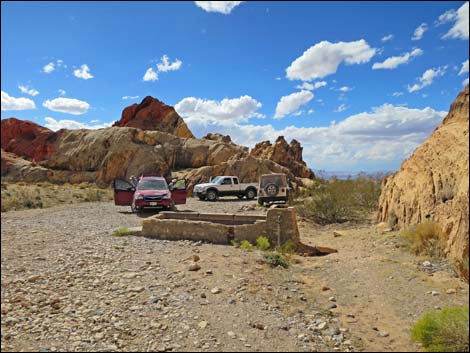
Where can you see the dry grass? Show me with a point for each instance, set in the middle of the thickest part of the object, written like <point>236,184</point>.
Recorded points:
<point>426,239</point>
<point>18,196</point>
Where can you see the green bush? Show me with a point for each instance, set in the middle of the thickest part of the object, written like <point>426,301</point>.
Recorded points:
<point>246,245</point>
<point>333,201</point>
<point>235,243</point>
<point>275,259</point>
<point>443,331</point>
<point>121,232</point>
<point>426,239</point>
<point>263,243</point>
<point>288,248</point>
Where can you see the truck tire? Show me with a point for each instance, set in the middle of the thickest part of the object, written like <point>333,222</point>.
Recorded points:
<point>211,195</point>
<point>250,194</point>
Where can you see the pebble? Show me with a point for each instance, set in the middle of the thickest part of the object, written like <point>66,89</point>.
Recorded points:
<point>194,267</point>
<point>215,290</point>
<point>332,306</point>
<point>435,293</point>
<point>203,324</point>
<point>451,291</point>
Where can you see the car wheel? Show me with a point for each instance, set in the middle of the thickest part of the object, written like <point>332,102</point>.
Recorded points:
<point>250,195</point>
<point>211,195</point>
<point>271,189</point>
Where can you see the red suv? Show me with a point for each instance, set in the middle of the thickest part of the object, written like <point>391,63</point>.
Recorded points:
<point>149,192</point>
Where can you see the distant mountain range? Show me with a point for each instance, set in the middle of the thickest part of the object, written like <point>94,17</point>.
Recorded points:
<point>324,174</point>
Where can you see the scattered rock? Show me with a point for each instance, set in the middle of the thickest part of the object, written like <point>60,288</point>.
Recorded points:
<point>194,267</point>
<point>215,290</point>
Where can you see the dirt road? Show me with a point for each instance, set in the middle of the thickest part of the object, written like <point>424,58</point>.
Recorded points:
<point>68,284</point>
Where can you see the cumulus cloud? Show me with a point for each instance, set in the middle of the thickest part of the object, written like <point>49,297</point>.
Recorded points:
<point>226,111</point>
<point>12,103</point>
<point>61,92</point>
<point>386,134</point>
<point>387,38</point>
<point>427,78</point>
<point>48,68</point>
<point>323,59</point>
<point>292,102</point>
<point>55,125</point>
<point>419,31</point>
<point>394,61</point>
<point>341,108</point>
<point>345,89</point>
<point>224,7</point>
<point>397,94</point>
<point>150,75</point>
<point>464,68</point>
<point>83,72</point>
<point>165,65</point>
<point>130,97</point>
<point>310,86</point>
<point>465,82</point>
<point>67,105</point>
<point>459,29</point>
<point>31,91</point>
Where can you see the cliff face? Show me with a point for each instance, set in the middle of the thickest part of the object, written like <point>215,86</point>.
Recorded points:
<point>152,114</point>
<point>287,155</point>
<point>432,184</point>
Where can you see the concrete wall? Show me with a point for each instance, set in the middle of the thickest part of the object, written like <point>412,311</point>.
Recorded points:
<point>279,225</point>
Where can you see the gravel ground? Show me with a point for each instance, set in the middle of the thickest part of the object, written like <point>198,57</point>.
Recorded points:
<point>69,285</point>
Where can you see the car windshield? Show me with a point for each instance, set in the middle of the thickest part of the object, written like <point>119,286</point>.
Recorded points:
<point>152,185</point>
<point>216,180</point>
<point>271,179</point>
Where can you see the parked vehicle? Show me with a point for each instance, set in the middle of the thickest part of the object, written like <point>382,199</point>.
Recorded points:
<point>273,187</point>
<point>225,186</point>
<point>150,192</point>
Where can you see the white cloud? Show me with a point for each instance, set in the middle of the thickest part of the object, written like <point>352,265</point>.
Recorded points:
<point>48,68</point>
<point>55,125</point>
<point>150,75</point>
<point>67,105</point>
<point>394,61</point>
<point>387,38</point>
<point>460,18</point>
<point>310,111</point>
<point>464,68</point>
<point>61,92</point>
<point>165,65</point>
<point>130,97</point>
<point>345,89</point>
<point>397,94</point>
<point>290,103</point>
<point>224,7</point>
<point>323,59</point>
<point>83,72</point>
<point>226,111</point>
<point>12,103</point>
<point>310,86</point>
<point>419,31</point>
<point>341,108</point>
<point>465,82</point>
<point>278,79</point>
<point>427,78</point>
<point>31,91</point>
<point>386,135</point>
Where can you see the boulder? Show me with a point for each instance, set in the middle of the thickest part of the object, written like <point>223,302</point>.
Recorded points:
<point>432,184</point>
<point>152,114</point>
<point>217,137</point>
<point>287,155</point>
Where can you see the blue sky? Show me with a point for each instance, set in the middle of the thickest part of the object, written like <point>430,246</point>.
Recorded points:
<point>359,84</point>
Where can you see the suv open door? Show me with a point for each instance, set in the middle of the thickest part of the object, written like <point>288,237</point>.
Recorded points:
<point>123,192</point>
<point>178,191</point>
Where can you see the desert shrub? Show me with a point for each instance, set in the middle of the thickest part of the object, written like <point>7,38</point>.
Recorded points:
<point>235,243</point>
<point>332,201</point>
<point>262,243</point>
<point>288,248</point>
<point>246,245</point>
<point>121,232</point>
<point>275,259</point>
<point>426,239</point>
<point>443,331</point>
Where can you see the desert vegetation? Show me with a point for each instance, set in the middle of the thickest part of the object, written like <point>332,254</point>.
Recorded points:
<point>443,331</point>
<point>426,239</point>
<point>18,196</point>
<point>336,201</point>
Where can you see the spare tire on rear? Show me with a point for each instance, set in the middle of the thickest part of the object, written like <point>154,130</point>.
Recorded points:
<point>271,189</point>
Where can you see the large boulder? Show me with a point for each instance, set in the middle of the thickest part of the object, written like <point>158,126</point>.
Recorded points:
<point>287,155</point>
<point>25,138</point>
<point>432,184</point>
<point>152,114</point>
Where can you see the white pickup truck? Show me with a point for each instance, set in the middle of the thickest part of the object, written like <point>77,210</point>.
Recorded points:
<point>225,186</point>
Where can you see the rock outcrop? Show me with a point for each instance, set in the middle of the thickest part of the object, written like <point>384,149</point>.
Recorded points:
<point>248,170</point>
<point>217,137</point>
<point>287,155</point>
<point>152,114</point>
<point>432,184</point>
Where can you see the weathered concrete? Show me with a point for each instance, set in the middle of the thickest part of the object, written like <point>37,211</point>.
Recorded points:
<point>279,226</point>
